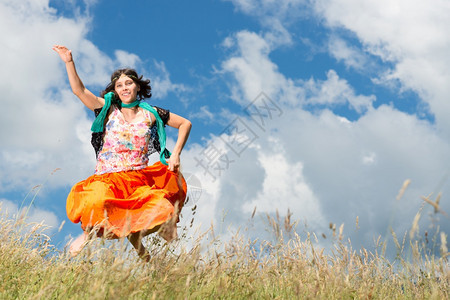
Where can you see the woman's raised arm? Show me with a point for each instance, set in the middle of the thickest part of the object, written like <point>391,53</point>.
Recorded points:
<point>87,97</point>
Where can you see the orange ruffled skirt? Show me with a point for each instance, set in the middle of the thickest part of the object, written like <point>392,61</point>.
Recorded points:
<point>117,204</point>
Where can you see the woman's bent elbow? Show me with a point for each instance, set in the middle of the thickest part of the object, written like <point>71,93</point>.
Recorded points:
<point>188,125</point>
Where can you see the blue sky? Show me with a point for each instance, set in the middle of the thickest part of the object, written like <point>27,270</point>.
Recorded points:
<point>358,91</point>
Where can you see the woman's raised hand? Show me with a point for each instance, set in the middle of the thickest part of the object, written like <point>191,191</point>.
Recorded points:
<point>87,97</point>
<point>64,53</point>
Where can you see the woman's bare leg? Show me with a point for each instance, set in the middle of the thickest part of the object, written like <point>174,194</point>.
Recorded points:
<point>78,244</point>
<point>136,240</point>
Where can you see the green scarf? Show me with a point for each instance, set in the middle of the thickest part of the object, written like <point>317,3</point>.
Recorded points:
<point>99,122</point>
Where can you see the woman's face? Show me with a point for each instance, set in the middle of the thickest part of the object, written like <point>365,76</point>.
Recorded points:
<point>126,88</point>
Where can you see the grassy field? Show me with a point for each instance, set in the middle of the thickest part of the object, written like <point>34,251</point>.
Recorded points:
<point>31,268</point>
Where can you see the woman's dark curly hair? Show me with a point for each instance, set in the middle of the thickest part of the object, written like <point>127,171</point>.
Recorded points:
<point>145,90</point>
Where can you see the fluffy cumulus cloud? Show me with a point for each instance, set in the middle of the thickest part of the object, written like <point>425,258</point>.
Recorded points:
<point>304,156</point>
<point>352,56</point>
<point>11,210</point>
<point>250,66</point>
<point>336,91</point>
<point>412,35</point>
<point>161,79</point>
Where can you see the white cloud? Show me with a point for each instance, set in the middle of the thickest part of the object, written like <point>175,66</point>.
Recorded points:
<point>161,83</point>
<point>126,59</point>
<point>204,114</point>
<point>31,215</point>
<point>283,11</point>
<point>335,90</point>
<point>275,16</point>
<point>255,72</point>
<point>412,35</point>
<point>369,158</point>
<point>93,66</point>
<point>284,187</point>
<point>350,55</point>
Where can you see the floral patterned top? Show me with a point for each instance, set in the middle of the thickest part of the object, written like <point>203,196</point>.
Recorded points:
<point>126,145</point>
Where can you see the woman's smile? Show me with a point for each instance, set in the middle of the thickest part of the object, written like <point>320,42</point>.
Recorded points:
<point>126,88</point>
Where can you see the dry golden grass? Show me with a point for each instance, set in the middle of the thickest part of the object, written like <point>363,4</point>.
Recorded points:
<point>294,268</point>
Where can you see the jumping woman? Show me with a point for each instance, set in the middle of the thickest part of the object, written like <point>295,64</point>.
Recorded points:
<point>126,197</point>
